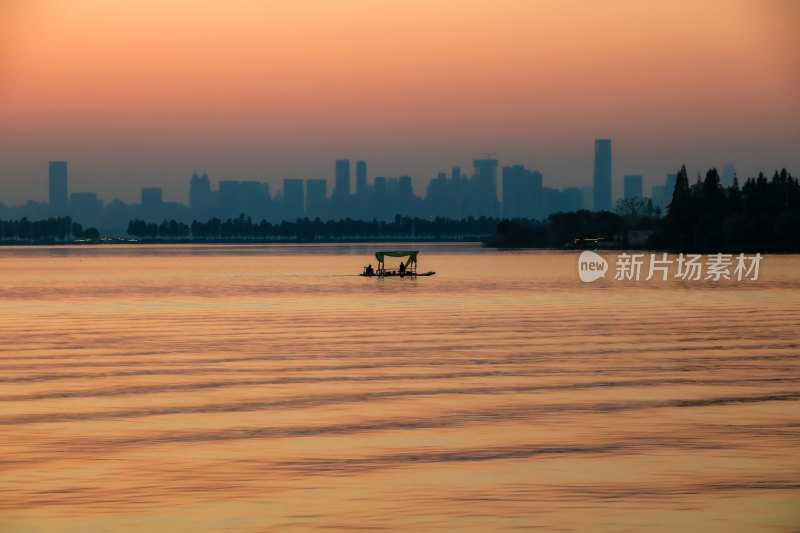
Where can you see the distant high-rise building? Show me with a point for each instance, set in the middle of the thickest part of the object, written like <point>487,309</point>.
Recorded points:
<point>670,181</point>
<point>151,197</point>
<point>393,187</point>
<point>587,192</point>
<point>436,195</point>
<point>602,175</point>
<point>361,178</point>
<point>58,188</point>
<point>573,199</point>
<point>562,201</point>
<point>229,197</point>
<point>342,188</point>
<point>662,194</point>
<point>484,188</point>
<point>380,207</point>
<point>522,192</point>
<point>455,195</point>
<point>381,187</point>
<point>537,195</point>
<point>669,186</point>
<point>85,201</point>
<point>200,194</point>
<point>404,187</point>
<point>553,201</point>
<point>513,186</point>
<point>152,207</point>
<point>86,208</point>
<point>316,198</point>
<point>293,198</point>
<point>728,173</point>
<point>632,186</point>
<point>251,198</point>
<point>405,196</point>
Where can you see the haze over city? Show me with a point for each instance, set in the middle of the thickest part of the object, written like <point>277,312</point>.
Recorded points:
<point>382,265</point>
<point>139,94</point>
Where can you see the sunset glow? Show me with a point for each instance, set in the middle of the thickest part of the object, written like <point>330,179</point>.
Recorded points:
<point>136,93</point>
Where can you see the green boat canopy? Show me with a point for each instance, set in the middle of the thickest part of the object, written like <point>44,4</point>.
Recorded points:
<point>412,256</point>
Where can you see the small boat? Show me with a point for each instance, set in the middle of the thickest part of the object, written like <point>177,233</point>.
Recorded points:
<point>406,268</point>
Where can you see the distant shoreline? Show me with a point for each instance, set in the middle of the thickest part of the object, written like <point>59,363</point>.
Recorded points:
<point>120,241</point>
<point>617,247</point>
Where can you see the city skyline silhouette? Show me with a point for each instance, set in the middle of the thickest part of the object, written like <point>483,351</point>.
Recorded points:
<point>264,92</point>
<point>487,190</point>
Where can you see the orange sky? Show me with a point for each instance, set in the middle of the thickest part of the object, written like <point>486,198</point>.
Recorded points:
<point>145,92</point>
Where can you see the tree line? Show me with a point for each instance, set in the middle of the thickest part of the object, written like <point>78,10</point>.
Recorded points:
<point>244,228</point>
<point>59,229</point>
<point>763,215</point>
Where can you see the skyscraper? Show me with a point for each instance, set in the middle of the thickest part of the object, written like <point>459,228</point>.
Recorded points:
<point>602,175</point>
<point>293,198</point>
<point>361,178</point>
<point>484,190</point>
<point>58,188</point>
<point>152,206</point>
<point>632,186</point>
<point>342,188</point>
<point>151,197</point>
<point>522,192</point>
<point>669,185</point>
<point>200,194</point>
<point>662,195</point>
<point>380,187</point>
<point>436,195</point>
<point>513,191</point>
<point>251,200</point>
<point>455,194</point>
<point>316,198</point>
<point>229,198</point>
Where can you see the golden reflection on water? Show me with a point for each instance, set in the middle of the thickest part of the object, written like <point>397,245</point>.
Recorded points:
<point>264,387</point>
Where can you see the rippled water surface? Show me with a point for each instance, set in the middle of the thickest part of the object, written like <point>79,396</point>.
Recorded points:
<point>260,388</point>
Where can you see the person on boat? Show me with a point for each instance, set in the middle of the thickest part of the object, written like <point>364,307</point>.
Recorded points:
<point>402,269</point>
<point>368,271</point>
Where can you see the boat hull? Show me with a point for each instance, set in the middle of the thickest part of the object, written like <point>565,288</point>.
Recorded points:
<point>391,275</point>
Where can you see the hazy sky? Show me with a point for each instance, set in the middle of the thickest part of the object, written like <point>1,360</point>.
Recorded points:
<point>137,93</point>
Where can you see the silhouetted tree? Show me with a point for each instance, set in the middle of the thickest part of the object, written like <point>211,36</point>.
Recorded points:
<point>760,215</point>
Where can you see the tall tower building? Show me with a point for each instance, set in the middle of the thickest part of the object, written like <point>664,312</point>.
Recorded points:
<point>602,175</point>
<point>229,197</point>
<point>200,194</point>
<point>293,198</point>
<point>58,188</point>
<point>342,188</point>
<point>522,192</point>
<point>251,200</point>
<point>381,187</point>
<point>633,186</point>
<point>361,178</point>
<point>484,190</point>
<point>316,198</point>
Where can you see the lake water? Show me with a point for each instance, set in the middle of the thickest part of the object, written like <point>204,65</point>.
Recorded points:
<point>265,387</point>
